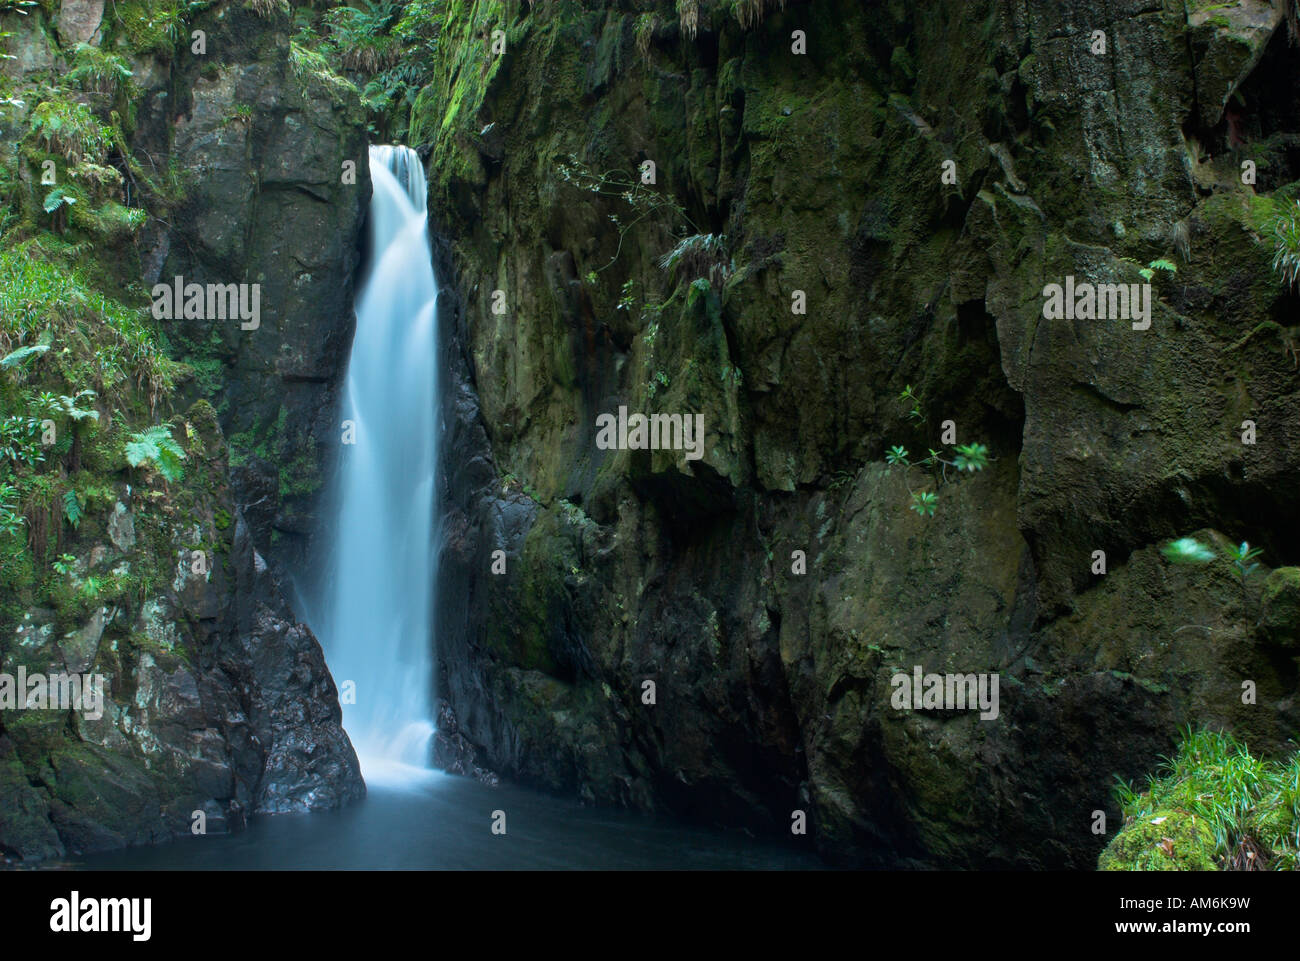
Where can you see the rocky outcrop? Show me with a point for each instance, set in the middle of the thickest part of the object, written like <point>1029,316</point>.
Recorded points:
<point>251,159</point>
<point>770,590</point>
<point>214,699</point>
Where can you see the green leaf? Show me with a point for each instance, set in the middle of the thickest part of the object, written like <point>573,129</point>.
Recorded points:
<point>971,457</point>
<point>22,354</point>
<point>56,198</point>
<point>1164,265</point>
<point>156,448</point>
<point>1187,550</point>
<point>72,509</point>
<point>924,503</point>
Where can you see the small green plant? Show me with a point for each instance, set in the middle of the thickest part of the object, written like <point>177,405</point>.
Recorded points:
<point>71,130</point>
<point>98,71</point>
<point>56,204</point>
<point>657,380</point>
<point>628,300</point>
<point>11,522</point>
<point>1150,269</point>
<point>1250,808</point>
<point>970,457</point>
<point>72,509</point>
<point>20,440</point>
<point>699,256</point>
<point>1286,244</point>
<point>1187,550</point>
<point>1191,552</point>
<point>65,564</point>
<point>909,396</point>
<point>1242,558</point>
<point>155,448</point>
<point>924,503</point>
<point>242,113</point>
<point>22,355</point>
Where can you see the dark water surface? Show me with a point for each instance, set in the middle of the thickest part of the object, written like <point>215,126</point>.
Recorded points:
<point>435,821</point>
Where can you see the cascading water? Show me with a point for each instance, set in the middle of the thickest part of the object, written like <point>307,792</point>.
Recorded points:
<point>375,620</point>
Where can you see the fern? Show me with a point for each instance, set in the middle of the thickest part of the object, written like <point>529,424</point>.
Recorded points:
<point>57,198</point>
<point>22,354</point>
<point>72,509</point>
<point>156,448</point>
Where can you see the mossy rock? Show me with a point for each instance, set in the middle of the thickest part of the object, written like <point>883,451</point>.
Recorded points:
<point>1281,601</point>
<point>1166,841</point>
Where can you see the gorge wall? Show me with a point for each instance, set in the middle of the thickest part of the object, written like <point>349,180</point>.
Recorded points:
<point>822,172</point>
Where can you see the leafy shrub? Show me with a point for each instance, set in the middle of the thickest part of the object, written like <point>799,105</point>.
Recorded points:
<point>361,37</point>
<point>99,71</point>
<point>20,440</point>
<point>70,129</point>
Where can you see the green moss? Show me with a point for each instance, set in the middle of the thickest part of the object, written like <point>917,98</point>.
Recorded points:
<point>1167,840</point>
<point>1213,805</point>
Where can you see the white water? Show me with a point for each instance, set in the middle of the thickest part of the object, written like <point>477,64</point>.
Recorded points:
<point>375,619</point>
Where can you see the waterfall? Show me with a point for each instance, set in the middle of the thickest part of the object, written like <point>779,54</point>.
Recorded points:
<point>375,615</point>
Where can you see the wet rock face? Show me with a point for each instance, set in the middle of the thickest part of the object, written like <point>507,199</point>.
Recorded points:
<point>771,590</point>
<point>264,143</point>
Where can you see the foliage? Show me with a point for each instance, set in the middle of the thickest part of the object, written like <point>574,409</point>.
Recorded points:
<point>700,255</point>
<point>41,296</point>
<point>360,33</point>
<point>11,522</point>
<point>646,25</point>
<point>1150,269</point>
<point>20,440</point>
<point>1250,805</point>
<point>56,198</point>
<point>626,186</point>
<point>22,354</point>
<point>72,508</point>
<point>1187,550</point>
<point>924,503</point>
<point>688,14</point>
<point>749,13</point>
<point>71,130</point>
<point>65,406</point>
<point>1242,558</point>
<point>268,8</point>
<point>1286,245</point>
<point>969,458</point>
<point>99,71</point>
<point>910,397</point>
<point>156,448</point>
